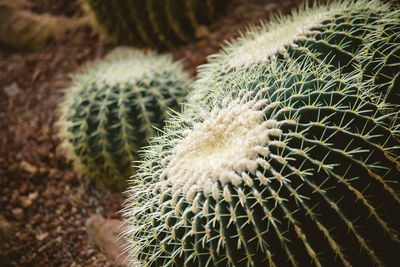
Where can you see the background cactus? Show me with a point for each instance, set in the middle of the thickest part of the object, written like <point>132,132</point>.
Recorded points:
<point>335,35</point>
<point>111,109</point>
<point>154,23</point>
<point>294,166</point>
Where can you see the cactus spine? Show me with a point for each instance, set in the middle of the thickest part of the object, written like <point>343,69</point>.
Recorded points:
<point>155,23</point>
<point>111,109</point>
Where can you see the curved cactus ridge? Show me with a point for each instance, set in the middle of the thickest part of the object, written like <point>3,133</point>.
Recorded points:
<point>334,35</point>
<point>155,23</point>
<point>380,58</point>
<point>111,109</point>
<point>293,166</point>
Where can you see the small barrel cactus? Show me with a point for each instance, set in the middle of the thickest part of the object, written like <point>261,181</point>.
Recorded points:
<point>154,23</point>
<point>293,166</point>
<point>334,35</point>
<point>110,111</point>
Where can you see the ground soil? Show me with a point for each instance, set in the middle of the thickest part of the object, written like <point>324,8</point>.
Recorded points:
<point>41,197</point>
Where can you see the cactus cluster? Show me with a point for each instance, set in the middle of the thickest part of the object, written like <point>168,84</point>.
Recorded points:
<point>154,23</point>
<point>111,108</point>
<point>287,156</point>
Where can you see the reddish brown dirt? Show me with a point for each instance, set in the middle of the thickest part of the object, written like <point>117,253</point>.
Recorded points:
<point>40,195</point>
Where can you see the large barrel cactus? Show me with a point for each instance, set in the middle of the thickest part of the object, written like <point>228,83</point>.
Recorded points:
<point>111,108</point>
<point>293,166</point>
<point>155,23</point>
<point>346,35</point>
<point>289,159</point>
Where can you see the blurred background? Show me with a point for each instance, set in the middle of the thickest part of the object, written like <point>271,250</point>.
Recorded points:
<point>47,218</point>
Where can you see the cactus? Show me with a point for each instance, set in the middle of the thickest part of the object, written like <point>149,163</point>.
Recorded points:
<point>293,166</point>
<point>111,109</point>
<point>335,35</point>
<point>155,23</point>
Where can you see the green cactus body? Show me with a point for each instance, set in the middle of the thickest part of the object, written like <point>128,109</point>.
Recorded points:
<point>332,35</point>
<point>293,166</point>
<point>111,109</point>
<point>108,13</point>
<point>155,23</point>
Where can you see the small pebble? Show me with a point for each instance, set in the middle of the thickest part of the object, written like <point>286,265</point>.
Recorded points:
<point>18,213</point>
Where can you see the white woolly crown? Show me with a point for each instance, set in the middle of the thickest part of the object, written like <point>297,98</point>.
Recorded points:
<point>231,140</point>
<point>128,67</point>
